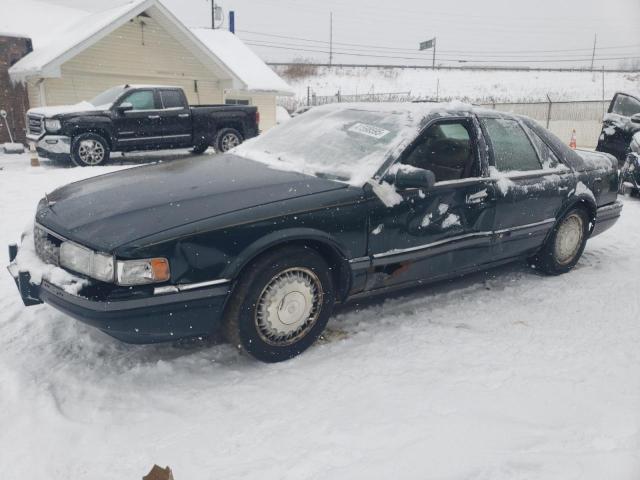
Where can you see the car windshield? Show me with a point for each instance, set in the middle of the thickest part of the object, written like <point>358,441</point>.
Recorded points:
<point>107,97</point>
<point>348,143</point>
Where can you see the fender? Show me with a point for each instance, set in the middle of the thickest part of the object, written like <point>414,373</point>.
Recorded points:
<point>282,237</point>
<point>95,124</point>
<point>572,201</point>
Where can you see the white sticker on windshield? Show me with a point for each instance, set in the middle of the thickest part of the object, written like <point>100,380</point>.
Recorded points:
<point>369,130</point>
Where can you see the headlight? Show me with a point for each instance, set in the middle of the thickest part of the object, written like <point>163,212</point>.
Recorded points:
<point>52,125</point>
<point>140,272</point>
<point>86,261</point>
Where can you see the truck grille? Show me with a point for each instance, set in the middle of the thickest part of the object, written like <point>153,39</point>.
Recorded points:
<point>35,124</point>
<point>47,245</point>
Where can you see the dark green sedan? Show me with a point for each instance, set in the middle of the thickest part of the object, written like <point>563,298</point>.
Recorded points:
<point>344,201</point>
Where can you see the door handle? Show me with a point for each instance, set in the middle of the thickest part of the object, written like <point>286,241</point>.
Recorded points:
<point>154,117</point>
<point>478,197</point>
<point>184,115</point>
<point>563,189</point>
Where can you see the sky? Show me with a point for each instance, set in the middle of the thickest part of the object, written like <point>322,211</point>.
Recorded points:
<point>481,32</point>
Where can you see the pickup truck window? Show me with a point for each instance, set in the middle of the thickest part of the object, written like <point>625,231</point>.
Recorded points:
<point>626,105</point>
<point>511,146</point>
<point>141,100</point>
<point>172,99</point>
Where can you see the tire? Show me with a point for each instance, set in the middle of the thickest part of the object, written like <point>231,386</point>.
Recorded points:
<point>565,245</point>
<point>291,285</point>
<point>227,138</point>
<point>89,150</point>
<point>200,148</point>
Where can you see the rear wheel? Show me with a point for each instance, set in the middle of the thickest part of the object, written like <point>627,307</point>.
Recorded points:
<point>89,150</point>
<point>280,305</point>
<point>227,138</point>
<point>565,245</point>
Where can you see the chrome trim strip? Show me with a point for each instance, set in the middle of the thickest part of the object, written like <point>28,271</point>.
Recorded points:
<point>461,237</point>
<point>521,227</point>
<point>400,251</point>
<point>359,259</point>
<point>152,138</point>
<point>189,286</point>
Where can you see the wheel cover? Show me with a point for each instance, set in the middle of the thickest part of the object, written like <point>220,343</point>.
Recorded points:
<point>91,152</point>
<point>229,140</point>
<point>289,306</point>
<point>568,239</point>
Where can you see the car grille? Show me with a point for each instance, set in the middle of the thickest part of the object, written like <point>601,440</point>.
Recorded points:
<point>47,245</point>
<point>35,124</point>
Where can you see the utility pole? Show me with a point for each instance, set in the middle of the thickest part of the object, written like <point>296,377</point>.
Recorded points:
<point>433,63</point>
<point>593,55</point>
<point>330,38</point>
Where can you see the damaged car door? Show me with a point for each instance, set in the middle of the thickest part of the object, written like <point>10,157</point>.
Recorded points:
<point>531,185</point>
<point>436,229</point>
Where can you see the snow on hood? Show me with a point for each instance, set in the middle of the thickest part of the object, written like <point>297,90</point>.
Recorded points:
<point>62,109</point>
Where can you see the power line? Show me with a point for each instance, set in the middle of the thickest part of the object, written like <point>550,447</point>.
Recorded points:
<point>413,51</point>
<point>582,59</point>
<point>470,52</point>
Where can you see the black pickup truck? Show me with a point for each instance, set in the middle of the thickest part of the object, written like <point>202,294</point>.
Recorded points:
<point>137,117</point>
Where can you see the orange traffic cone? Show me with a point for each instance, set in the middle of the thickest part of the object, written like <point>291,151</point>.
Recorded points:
<point>572,142</point>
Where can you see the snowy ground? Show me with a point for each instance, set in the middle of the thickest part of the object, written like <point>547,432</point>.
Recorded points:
<point>500,376</point>
<point>478,86</point>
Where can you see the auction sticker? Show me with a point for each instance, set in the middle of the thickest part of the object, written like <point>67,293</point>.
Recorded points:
<point>368,130</point>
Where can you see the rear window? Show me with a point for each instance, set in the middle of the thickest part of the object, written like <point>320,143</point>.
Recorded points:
<point>512,149</point>
<point>171,99</point>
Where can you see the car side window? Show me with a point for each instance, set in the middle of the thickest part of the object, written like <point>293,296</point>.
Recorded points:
<point>141,100</point>
<point>548,158</point>
<point>512,149</point>
<point>446,148</point>
<point>626,105</point>
<point>172,99</point>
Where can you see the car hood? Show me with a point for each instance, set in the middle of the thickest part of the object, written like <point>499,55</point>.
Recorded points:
<point>82,107</point>
<point>111,210</point>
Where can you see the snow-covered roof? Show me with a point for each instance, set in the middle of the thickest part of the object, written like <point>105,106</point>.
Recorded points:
<point>60,29</point>
<point>242,60</point>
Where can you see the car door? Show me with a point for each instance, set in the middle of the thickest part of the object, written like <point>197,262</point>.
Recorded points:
<point>445,229</point>
<point>531,186</point>
<point>617,127</point>
<point>176,118</point>
<point>140,126</point>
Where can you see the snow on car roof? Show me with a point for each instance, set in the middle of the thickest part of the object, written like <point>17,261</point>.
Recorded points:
<point>242,61</point>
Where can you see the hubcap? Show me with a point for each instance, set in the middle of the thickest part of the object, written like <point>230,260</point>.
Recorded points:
<point>91,152</point>
<point>569,239</point>
<point>229,140</point>
<point>289,306</point>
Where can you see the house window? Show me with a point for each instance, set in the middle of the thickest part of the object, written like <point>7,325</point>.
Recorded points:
<point>236,101</point>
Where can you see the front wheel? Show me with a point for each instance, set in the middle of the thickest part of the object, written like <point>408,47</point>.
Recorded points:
<point>565,245</point>
<point>89,150</point>
<point>227,138</point>
<point>280,305</point>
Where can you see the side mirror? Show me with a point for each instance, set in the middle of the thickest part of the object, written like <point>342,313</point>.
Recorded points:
<point>635,118</point>
<point>414,178</point>
<point>124,107</point>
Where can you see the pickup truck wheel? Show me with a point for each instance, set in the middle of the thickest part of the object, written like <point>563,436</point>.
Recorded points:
<point>280,305</point>
<point>227,138</point>
<point>565,245</point>
<point>89,150</point>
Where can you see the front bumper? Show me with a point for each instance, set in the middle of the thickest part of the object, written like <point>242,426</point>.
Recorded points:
<point>52,146</point>
<point>151,319</point>
<point>606,217</point>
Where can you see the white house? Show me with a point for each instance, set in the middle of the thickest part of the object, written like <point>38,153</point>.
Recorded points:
<point>81,48</point>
